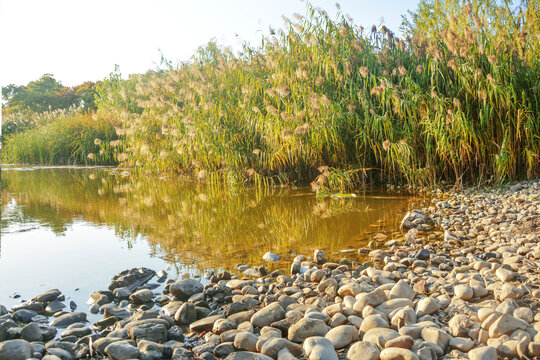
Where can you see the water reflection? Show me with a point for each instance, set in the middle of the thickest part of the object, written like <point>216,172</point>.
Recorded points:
<point>196,225</point>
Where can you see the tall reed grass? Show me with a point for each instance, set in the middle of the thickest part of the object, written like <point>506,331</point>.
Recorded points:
<point>59,138</point>
<point>330,102</point>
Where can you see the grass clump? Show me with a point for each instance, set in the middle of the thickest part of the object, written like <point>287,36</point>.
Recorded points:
<point>335,104</point>
<point>57,138</point>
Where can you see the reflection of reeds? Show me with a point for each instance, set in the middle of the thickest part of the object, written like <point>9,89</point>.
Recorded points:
<point>217,226</point>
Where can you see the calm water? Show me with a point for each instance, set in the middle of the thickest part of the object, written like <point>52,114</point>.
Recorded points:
<point>74,228</point>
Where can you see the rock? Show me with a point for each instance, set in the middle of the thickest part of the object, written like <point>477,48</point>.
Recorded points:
<point>271,257</point>
<point>205,324</point>
<point>122,350</point>
<point>48,296</point>
<point>436,336</point>
<point>60,353</point>
<point>100,298</point>
<point>464,292</point>
<point>23,315</point>
<point>222,325</point>
<point>307,328</point>
<point>373,321</point>
<point>402,290</point>
<point>506,324</point>
<point>15,350</point>
<point>504,275</point>
<point>319,348</point>
<point>186,314</point>
<point>374,298</point>
<point>224,349</point>
<point>246,355</point>
<point>268,315</point>
<point>363,350</point>
<point>131,279</point>
<point>390,306</point>
<point>397,354</point>
<point>54,306</point>
<point>427,306</point>
<point>483,353</point>
<point>142,296</point>
<point>423,254</point>
<point>152,351</point>
<point>379,336</point>
<point>68,319</point>
<point>246,340</point>
<point>534,348</point>
<point>405,342</point>
<point>31,332</point>
<point>184,289</point>
<point>342,335</point>
<point>414,218</point>
<point>462,344</point>
<point>148,331</point>
<point>319,256</point>
<point>274,345</point>
<point>459,325</point>
<point>122,293</point>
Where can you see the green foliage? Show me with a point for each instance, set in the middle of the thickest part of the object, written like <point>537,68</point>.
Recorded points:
<point>66,140</point>
<point>47,94</point>
<point>328,102</point>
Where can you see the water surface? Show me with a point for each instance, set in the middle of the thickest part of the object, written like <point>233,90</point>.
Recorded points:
<point>74,228</point>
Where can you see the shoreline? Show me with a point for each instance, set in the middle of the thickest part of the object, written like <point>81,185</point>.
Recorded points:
<point>472,295</point>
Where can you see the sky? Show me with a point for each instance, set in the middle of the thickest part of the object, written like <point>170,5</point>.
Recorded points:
<point>81,40</point>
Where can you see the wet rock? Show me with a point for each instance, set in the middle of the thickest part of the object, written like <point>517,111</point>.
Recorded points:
<point>122,350</point>
<point>48,296</point>
<point>271,257</point>
<point>15,350</point>
<point>184,289</point>
<point>132,278</point>
<point>31,332</point>
<point>319,256</point>
<point>68,319</point>
<point>54,306</point>
<point>142,296</point>
<point>24,316</point>
<point>148,331</point>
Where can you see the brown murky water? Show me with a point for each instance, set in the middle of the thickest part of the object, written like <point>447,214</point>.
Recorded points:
<point>63,224</point>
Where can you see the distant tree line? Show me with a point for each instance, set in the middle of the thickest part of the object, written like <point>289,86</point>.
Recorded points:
<point>46,94</point>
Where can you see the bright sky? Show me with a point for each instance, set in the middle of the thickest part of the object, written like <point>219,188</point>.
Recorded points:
<point>80,40</point>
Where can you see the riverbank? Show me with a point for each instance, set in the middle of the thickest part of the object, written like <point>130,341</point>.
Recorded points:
<point>472,295</point>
